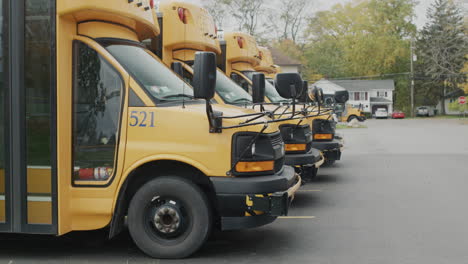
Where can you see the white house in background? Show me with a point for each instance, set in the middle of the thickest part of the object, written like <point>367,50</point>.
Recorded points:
<point>371,94</point>
<point>286,63</point>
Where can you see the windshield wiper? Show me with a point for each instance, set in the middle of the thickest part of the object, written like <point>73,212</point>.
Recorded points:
<point>177,95</point>
<point>242,100</point>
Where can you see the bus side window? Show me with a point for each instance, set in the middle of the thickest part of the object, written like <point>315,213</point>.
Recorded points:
<point>97,103</point>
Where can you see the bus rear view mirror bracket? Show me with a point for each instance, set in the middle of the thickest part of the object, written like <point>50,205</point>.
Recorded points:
<point>204,85</point>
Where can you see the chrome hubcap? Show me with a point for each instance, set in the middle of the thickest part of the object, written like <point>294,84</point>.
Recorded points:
<point>166,220</point>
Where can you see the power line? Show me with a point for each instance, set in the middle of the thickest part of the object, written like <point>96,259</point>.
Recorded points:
<point>416,76</point>
<point>370,76</point>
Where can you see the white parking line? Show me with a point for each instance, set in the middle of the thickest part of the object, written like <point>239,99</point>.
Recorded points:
<point>296,217</point>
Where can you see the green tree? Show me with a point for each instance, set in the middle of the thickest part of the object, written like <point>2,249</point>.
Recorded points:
<point>442,49</point>
<point>361,38</point>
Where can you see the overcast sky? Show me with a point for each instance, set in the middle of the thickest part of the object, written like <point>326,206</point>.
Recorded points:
<point>420,10</point>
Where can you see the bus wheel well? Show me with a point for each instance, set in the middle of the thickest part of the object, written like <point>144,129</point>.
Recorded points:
<point>150,171</point>
<point>351,117</point>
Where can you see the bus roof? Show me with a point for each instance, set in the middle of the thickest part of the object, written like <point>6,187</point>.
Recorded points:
<point>241,47</point>
<point>188,26</point>
<point>141,19</point>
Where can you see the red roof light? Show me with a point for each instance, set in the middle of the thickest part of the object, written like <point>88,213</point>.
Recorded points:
<point>240,41</point>
<point>182,14</point>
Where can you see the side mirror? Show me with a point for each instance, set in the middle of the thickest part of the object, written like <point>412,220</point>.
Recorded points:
<point>317,95</point>
<point>178,68</point>
<point>321,95</point>
<point>258,88</point>
<point>329,101</point>
<point>304,96</point>
<point>341,97</point>
<point>289,85</point>
<point>204,75</point>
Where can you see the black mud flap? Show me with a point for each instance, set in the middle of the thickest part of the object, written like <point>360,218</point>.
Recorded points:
<point>332,155</point>
<point>276,204</point>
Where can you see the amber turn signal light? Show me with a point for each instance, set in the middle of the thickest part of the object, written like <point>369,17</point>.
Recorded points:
<point>295,147</point>
<point>255,166</point>
<point>323,136</point>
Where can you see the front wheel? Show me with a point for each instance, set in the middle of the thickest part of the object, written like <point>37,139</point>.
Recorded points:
<point>169,217</point>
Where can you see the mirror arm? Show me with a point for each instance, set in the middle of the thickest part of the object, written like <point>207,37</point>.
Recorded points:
<point>211,119</point>
<point>292,87</point>
<point>286,109</point>
<point>254,118</point>
<point>240,116</point>
<point>269,122</point>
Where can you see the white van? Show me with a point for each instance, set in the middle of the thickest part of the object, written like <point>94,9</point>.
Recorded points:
<point>381,113</point>
<point>425,111</point>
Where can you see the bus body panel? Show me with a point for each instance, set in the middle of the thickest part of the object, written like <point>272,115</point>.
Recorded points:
<point>198,33</point>
<point>102,29</point>
<point>266,65</point>
<point>243,51</point>
<point>139,19</point>
<point>84,208</point>
<point>176,133</point>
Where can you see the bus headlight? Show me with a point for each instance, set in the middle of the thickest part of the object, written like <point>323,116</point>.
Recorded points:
<point>255,158</point>
<point>296,137</point>
<point>323,130</point>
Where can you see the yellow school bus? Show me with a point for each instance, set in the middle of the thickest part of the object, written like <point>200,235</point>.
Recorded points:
<point>199,34</point>
<point>336,97</point>
<point>243,57</point>
<point>98,131</point>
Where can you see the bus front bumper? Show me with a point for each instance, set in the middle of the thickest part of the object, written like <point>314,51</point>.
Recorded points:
<point>310,158</point>
<point>247,202</point>
<point>330,149</point>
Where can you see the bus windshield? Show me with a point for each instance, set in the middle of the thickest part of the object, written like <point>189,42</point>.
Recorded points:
<point>230,92</point>
<point>157,79</point>
<point>270,90</point>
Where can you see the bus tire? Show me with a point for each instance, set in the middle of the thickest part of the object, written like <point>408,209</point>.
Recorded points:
<point>169,217</point>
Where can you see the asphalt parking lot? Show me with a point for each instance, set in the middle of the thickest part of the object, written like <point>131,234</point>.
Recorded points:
<point>398,196</point>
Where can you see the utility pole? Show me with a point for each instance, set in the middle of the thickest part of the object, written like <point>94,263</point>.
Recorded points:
<point>412,77</point>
